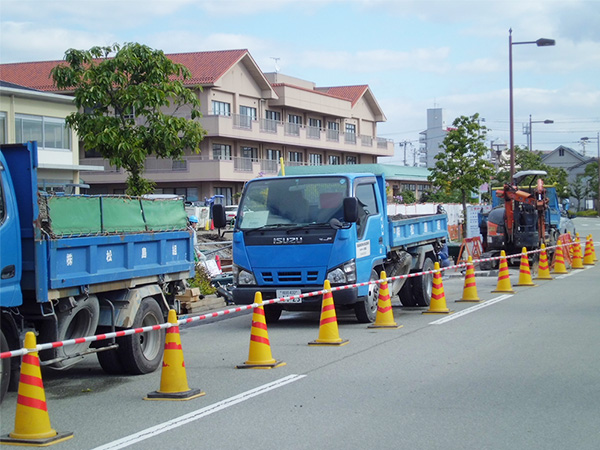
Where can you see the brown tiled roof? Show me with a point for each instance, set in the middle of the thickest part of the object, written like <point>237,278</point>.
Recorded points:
<point>315,91</point>
<point>205,67</point>
<point>352,93</point>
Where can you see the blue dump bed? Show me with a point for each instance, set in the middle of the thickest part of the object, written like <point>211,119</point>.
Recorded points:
<point>417,230</point>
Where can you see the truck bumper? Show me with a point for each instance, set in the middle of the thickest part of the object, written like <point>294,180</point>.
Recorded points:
<point>245,296</point>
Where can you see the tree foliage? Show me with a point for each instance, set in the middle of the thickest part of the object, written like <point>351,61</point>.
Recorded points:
<point>591,172</point>
<point>131,104</point>
<point>463,165</point>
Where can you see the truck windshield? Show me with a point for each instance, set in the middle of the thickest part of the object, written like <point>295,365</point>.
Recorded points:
<point>291,201</point>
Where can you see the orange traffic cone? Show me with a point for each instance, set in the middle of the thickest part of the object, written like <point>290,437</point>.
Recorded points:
<point>470,287</point>
<point>438,296</point>
<point>593,249</point>
<point>503,276</point>
<point>173,378</point>
<point>588,257</point>
<point>32,423</point>
<point>525,271</point>
<point>543,269</point>
<point>577,260</point>
<point>259,354</point>
<point>385,316</point>
<point>328,327</point>
<point>559,261</point>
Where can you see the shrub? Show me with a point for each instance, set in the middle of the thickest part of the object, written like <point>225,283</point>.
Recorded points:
<point>588,213</point>
<point>202,280</point>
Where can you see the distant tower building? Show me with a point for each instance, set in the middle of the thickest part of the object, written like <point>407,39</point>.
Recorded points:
<point>432,137</point>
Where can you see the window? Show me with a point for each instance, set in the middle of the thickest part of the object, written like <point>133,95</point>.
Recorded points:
<point>350,136</point>
<point>221,108</point>
<point>189,193</point>
<point>292,127</point>
<point>333,131</point>
<point>2,128</point>
<point>561,152</point>
<point>250,152</point>
<point>273,154</point>
<point>227,193</point>
<point>314,128</point>
<point>314,159</point>
<point>295,157</point>
<point>293,118</point>
<point>221,151</point>
<point>334,160</point>
<point>273,115</point>
<point>49,132</point>
<point>2,203</point>
<point>367,205</point>
<point>351,160</point>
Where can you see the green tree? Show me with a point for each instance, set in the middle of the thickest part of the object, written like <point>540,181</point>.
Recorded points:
<point>591,172</point>
<point>462,166</point>
<point>579,190</point>
<point>128,99</point>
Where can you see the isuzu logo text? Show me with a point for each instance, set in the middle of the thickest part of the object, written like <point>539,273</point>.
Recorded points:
<point>287,240</point>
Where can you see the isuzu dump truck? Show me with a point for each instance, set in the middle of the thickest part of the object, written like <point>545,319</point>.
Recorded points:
<point>293,232</point>
<point>75,266</point>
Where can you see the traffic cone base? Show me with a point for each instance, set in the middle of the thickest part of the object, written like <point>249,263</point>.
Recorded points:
<point>385,315</point>
<point>438,296</point>
<point>470,287</point>
<point>328,326</point>
<point>543,267</point>
<point>259,353</point>
<point>503,276</point>
<point>173,378</point>
<point>525,271</point>
<point>32,422</point>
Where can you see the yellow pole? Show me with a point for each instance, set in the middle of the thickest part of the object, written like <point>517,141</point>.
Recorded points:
<point>282,166</point>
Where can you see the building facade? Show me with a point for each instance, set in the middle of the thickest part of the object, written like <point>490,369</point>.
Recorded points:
<point>254,120</point>
<point>30,115</point>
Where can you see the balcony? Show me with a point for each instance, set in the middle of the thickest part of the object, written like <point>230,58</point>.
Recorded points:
<point>266,131</point>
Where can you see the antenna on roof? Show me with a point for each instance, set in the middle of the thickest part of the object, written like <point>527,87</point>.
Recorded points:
<point>276,63</point>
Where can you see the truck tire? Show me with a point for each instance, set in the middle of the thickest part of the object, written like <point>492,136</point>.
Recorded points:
<point>110,362</point>
<point>366,308</point>
<point>4,368</point>
<point>422,286</point>
<point>80,321</point>
<point>272,313</point>
<point>406,295</point>
<point>142,353</point>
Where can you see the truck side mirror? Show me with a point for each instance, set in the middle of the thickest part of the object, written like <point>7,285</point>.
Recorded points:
<point>218,213</point>
<point>350,209</point>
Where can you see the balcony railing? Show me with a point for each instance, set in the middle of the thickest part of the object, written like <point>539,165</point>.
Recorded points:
<point>350,138</point>
<point>292,129</point>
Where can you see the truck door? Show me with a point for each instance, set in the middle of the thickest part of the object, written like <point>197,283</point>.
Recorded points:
<point>369,228</point>
<point>10,247</point>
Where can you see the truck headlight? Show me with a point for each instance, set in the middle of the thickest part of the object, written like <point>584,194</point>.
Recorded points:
<point>243,276</point>
<point>344,274</point>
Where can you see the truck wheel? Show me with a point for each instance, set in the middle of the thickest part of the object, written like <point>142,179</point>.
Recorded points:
<point>423,285</point>
<point>110,362</point>
<point>81,321</point>
<point>142,353</point>
<point>272,313</point>
<point>366,308</point>
<point>5,368</point>
<point>406,294</point>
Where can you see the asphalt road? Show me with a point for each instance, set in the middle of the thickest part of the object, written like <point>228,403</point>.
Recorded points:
<point>512,372</point>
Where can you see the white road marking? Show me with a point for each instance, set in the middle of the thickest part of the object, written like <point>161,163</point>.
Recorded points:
<point>470,310</point>
<point>198,414</point>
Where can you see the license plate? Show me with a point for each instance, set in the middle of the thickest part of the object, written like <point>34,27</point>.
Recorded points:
<point>288,292</point>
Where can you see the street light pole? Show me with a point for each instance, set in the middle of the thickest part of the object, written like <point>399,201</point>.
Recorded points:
<point>530,132</point>
<point>542,42</point>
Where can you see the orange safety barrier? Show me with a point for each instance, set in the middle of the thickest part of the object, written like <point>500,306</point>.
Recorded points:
<point>565,241</point>
<point>472,247</point>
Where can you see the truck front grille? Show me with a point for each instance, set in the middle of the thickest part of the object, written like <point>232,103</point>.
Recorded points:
<point>288,277</point>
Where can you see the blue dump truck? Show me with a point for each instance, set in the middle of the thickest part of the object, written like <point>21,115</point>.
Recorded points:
<point>294,232</point>
<point>74,266</point>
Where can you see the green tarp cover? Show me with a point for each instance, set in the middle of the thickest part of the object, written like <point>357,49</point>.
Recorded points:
<point>85,215</point>
<point>164,215</point>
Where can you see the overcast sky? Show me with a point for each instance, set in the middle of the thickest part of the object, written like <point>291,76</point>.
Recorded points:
<point>414,54</point>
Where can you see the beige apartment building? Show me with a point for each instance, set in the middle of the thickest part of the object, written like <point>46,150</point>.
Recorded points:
<point>253,119</point>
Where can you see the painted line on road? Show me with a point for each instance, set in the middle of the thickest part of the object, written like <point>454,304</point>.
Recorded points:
<point>464,312</point>
<point>573,272</point>
<point>198,414</point>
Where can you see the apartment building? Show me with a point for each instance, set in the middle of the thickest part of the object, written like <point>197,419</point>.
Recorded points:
<point>26,115</point>
<point>253,119</point>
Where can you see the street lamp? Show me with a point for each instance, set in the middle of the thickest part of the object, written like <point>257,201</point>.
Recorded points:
<point>530,133</point>
<point>540,43</point>
<point>597,138</point>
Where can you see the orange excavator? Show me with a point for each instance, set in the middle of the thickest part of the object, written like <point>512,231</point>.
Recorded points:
<point>521,220</point>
